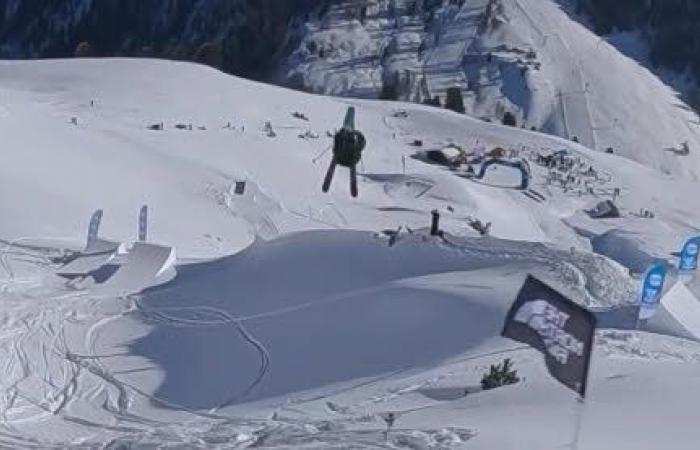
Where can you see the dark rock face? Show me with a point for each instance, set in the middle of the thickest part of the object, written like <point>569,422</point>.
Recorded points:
<point>671,27</point>
<point>244,37</point>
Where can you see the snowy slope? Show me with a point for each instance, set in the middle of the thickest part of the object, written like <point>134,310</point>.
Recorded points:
<point>292,323</point>
<point>527,57</point>
<point>607,98</point>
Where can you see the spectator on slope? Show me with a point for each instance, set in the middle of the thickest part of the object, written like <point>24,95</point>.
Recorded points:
<point>389,419</point>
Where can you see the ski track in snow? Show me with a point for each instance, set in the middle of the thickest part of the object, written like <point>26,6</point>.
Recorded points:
<point>158,315</point>
<point>76,369</point>
<point>133,429</point>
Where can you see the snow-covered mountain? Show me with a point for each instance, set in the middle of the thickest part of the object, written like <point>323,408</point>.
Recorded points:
<point>292,321</point>
<point>526,57</point>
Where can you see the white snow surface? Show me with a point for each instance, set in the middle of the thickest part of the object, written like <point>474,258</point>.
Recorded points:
<point>292,322</point>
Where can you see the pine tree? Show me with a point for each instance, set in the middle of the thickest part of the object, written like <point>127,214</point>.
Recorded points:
<point>509,119</point>
<point>84,50</point>
<point>435,101</point>
<point>500,375</point>
<point>210,54</point>
<point>454,100</point>
<point>390,88</point>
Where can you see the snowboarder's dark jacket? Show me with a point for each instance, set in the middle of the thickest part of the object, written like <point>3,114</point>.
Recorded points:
<point>348,146</point>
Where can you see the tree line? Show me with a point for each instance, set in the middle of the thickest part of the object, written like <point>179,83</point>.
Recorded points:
<point>671,27</point>
<point>242,37</point>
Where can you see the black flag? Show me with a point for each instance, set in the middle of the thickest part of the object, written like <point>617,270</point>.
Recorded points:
<point>562,330</point>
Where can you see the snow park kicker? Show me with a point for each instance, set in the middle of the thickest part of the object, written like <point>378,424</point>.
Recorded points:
<point>145,265</point>
<point>684,307</point>
<point>667,320</point>
<point>97,253</point>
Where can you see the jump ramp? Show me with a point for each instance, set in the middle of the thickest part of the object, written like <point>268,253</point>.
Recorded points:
<point>108,268</point>
<point>684,307</point>
<point>145,265</point>
<point>97,253</point>
<point>678,315</point>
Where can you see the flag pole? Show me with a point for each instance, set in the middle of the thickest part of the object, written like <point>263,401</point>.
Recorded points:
<point>580,405</point>
<point>581,399</point>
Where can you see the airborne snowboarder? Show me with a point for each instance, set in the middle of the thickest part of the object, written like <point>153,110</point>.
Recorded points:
<point>348,144</point>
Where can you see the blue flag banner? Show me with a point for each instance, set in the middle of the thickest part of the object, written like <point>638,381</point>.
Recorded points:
<point>143,223</point>
<point>652,288</point>
<point>688,258</point>
<point>94,227</point>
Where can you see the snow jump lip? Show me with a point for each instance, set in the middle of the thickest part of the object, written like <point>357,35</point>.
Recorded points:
<point>97,253</point>
<point>678,315</point>
<point>145,265</point>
